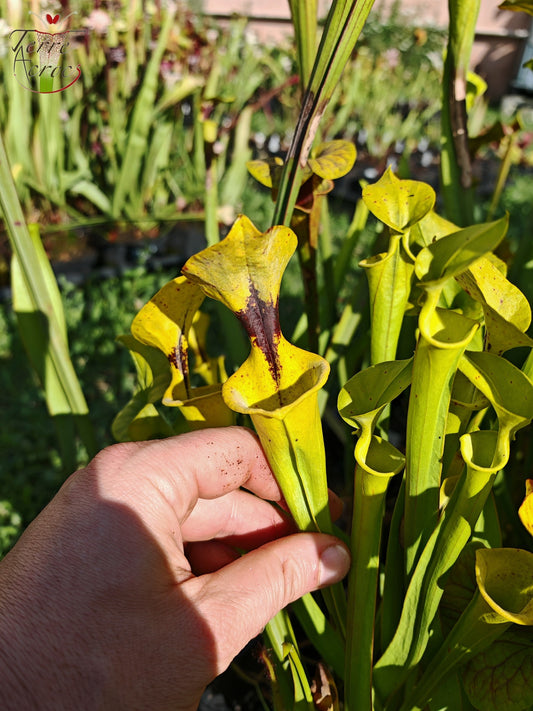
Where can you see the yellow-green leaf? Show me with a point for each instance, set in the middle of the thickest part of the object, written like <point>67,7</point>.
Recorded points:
<point>485,283</point>
<point>451,255</point>
<point>333,159</point>
<point>389,277</point>
<point>506,309</point>
<point>244,272</point>
<point>429,229</point>
<point>266,172</point>
<point>476,86</point>
<point>400,204</point>
<point>164,323</point>
<point>508,389</point>
<point>368,392</point>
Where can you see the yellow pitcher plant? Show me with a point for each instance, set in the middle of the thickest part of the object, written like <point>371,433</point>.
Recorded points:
<point>278,384</point>
<point>165,323</point>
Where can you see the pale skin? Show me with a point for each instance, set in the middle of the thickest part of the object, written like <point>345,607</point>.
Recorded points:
<point>127,593</point>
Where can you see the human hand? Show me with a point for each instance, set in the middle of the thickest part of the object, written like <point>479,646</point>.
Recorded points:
<point>99,604</point>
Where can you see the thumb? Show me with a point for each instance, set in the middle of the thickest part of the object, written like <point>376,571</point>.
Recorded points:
<point>238,600</point>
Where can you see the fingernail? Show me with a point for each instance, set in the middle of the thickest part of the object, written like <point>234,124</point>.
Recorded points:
<point>334,564</point>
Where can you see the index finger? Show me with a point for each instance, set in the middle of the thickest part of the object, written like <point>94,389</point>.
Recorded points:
<point>205,464</point>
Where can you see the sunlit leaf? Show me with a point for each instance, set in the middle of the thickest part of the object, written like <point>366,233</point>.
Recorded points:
<point>389,277</point>
<point>333,159</point>
<point>504,596</point>
<point>400,204</point>
<point>266,172</point>
<point>429,229</point>
<point>444,336</point>
<point>365,395</point>
<point>507,388</point>
<point>484,282</point>
<point>476,86</point>
<point>506,309</point>
<point>164,323</point>
<point>454,253</point>
<point>425,590</point>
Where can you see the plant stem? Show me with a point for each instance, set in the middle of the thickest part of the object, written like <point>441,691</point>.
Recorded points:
<point>38,290</point>
<point>344,23</point>
<point>443,338</point>
<point>456,168</point>
<point>304,20</point>
<point>369,503</point>
<point>442,550</point>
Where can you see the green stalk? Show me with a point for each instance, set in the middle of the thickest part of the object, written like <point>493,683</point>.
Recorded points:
<point>370,488</point>
<point>46,84</point>
<point>470,636</point>
<point>326,640</point>
<point>344,23</point>
<point>277,633</point>
<point>304,20</point>
<point>328,267</point>
<point>211,183</point>
<point>39,290</point>
<point>456,168</point>
<point>483,458</point>
<point>503,173</point>
<point>303,698</point>
<point>389,285</point>
<point>503,596</point>
<point>51,139</point>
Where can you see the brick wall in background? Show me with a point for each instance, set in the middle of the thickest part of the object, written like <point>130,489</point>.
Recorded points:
<point>497,51</point>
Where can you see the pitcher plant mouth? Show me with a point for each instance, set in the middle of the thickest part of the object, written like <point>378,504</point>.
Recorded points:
<point>298,375</point>
<point>505,581</point>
